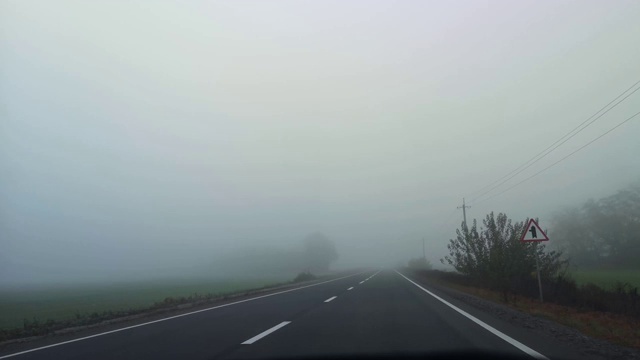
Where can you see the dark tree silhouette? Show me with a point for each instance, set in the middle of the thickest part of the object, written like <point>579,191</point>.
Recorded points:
<point>603,232</point>
<point>319,252</point>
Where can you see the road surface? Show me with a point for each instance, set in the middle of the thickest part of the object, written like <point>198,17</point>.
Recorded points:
<point>366,313</point>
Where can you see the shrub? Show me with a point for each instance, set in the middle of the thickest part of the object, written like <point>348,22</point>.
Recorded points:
<point>304,276</point>
<point>495,257</point>
<point>419,264</point>
<point>622,299</point>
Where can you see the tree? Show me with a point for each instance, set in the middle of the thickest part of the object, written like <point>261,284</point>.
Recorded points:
<point>572,234</point>
<point>319,252</point>
<point>420,264</point>
<point>495,256</point>
<point>604,232</point>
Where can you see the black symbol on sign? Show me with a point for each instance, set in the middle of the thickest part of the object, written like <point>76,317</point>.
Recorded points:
<point>533,232</point>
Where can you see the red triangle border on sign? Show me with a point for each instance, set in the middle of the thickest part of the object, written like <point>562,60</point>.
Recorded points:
<point>544,236</point>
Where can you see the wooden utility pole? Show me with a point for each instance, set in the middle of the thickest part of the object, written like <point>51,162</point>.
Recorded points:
<point>464,213</point>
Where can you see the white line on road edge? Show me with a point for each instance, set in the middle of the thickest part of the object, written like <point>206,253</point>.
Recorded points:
<point>514,342</point>
<point>174,317</point>
<point>362,281</point>
<point>331,298</point>
<point>265,333</point>
<point>350,288</point>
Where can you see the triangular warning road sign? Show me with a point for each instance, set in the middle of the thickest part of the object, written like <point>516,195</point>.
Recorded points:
<point>533,232</point>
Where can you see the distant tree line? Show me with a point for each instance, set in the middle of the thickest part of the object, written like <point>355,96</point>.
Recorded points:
<point>314,255</point>
<point>319,252</point>
<point>420,263</point>
<point>602,233</point>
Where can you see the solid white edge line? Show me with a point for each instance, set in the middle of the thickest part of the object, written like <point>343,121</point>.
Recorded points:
<point>331,298</point>
<point>265,333</point>
<point>503,336</point>
<point>173,317</point>
<point>351,288</point>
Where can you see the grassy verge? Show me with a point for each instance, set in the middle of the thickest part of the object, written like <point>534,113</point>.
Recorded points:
<point>618,329</point>
<point>67,303</point>
<point>606,279</point>
<point>34,312</point>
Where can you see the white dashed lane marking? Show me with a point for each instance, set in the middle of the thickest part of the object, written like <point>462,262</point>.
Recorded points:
<point>265,333</point>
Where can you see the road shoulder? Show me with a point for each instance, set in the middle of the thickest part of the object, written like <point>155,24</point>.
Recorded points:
<point>540,331</point>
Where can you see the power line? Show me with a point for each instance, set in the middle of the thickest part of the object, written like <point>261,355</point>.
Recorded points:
<point>557,143</point>
<point>556,146</point>
<point>562,159</point>
<point>446,222</point>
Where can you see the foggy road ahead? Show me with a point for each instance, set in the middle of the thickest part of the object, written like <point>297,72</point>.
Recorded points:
<point>372,312</point>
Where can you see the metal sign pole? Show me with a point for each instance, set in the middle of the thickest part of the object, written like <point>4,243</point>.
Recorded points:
<point>535,230</point>
<point>538,271</point>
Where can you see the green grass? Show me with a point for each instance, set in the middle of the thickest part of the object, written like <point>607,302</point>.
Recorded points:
<point>62,303</point>
<point>607,279</point>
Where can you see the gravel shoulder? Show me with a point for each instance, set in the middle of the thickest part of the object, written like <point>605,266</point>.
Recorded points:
<point>590,347</point>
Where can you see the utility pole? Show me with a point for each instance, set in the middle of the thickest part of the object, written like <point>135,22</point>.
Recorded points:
<point>424,254</point>
<point>464,213</point>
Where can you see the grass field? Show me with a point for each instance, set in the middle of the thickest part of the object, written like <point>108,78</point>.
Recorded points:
<point>607,279</point>
<point>63,303</point>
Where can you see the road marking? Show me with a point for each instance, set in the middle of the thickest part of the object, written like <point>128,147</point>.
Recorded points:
<point>331,298</point>
<point>503,336</point>
<point>362,282</point>
<point>173,317</point>
<point>265,333</point>
<point>350,288</point>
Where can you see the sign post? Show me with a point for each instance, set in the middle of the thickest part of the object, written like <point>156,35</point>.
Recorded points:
<point>538,272</point>
<point>533,232</point>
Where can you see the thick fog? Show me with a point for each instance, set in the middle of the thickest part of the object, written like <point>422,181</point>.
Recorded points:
<point>151,139</point>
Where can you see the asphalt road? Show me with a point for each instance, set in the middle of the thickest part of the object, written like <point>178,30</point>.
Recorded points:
<point>376,312</point>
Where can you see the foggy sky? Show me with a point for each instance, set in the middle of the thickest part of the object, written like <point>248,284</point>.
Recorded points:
<point>152,137</point>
